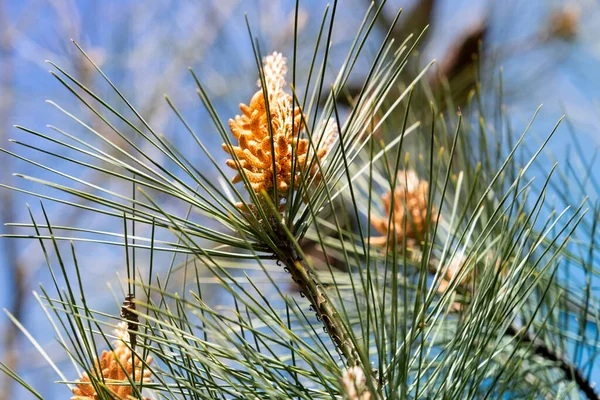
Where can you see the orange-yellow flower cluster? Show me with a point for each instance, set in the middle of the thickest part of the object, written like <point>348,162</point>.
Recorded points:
<point>409,216</point>
<point>564,23</point>
<point>264,149</point>
<point>115,366</point>
<point>354,385</point>
<point>454,269</point>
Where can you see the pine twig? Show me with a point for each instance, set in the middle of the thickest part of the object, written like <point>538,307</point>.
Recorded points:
<point>571,372</point>
<point>315,293</point>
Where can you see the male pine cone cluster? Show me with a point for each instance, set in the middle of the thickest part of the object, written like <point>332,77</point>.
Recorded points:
<point>115,366</point>
<point>264,149</point>
<point>354,386</point>
<point>409,217</point>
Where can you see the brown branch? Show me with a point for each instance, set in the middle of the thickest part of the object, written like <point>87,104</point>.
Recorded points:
<point>315,293</point>
<point>571,372</point>
<point>411,22</point>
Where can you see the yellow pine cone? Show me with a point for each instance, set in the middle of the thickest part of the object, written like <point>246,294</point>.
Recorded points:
<point>260,147</point>
<point>354,385</point>
<point>112,372</point>
<point>409,216</point>
<point>564,23</point>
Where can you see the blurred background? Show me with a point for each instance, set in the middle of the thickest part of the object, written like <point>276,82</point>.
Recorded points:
<point>548,51</point>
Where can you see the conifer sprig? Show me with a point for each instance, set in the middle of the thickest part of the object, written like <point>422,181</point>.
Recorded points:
<point>424,243</point>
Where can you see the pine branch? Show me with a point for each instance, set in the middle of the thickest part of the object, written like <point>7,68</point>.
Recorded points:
<point>418,17</point>
<point>571,372</point>
<point>315,293</point>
